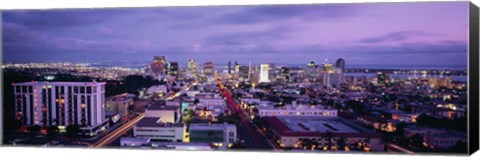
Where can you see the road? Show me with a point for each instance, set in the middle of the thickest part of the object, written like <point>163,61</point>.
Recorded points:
<point>398,148</point>
<point>253,138</point>
<point>117,133</point>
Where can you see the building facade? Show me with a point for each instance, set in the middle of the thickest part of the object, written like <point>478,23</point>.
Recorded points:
<point>62,104</point>
<point>220,135</point>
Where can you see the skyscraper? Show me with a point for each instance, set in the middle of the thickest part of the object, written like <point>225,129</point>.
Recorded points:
<point>264,73</point>
<point>312,71</point>
<point>340,70</point>
<point>209,69</point>
<point>159,65</point>
<point>192,67</point>
<point>229,67</point>
<point>243,73</point>
<point>327,71</point>
<point>237,67</point>
<point>340,63</point>
<point>174,67</point>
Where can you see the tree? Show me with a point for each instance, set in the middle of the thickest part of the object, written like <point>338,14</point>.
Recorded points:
<point>131,108</point>
<point>341,142</point>
<point>238,145</point>
<point>385,140</point>
<point>72,131</point>
<point>52,131</point>
<point>329,138</point>
<point>417,140</point>
<point>196,101</point>
<point>35,130</point>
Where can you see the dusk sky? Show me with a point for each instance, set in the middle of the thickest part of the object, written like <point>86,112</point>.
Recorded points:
<point>434,33</point>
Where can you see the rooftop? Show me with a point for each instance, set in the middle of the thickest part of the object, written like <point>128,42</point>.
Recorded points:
<point>161,105</point>
<point>58,83</point>
<point>155,122</point>
<point>201,126</point>
<point>317,126</point>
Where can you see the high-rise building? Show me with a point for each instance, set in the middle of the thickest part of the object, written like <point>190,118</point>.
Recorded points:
<point>237,67</point>
<point>229,67</point>
<point>312,71</point>
<point>243,73</point>
<point>327,71</point>
<point>339,71</point>
<point>62,104</point>
<point>192,67</point>
<point>340,64</point>
<point>174,68</point>
<point>159,65</point>
<point>264,73</point>
<point>272,72</point>
<point>209,69</point>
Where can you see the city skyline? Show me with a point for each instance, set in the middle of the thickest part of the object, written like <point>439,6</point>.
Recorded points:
<point>292,34</point>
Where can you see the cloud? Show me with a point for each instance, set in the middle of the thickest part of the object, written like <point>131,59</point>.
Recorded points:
<point>274,34</point>
<point>398,36</point>
<point>55,19</point>
<point>17,33</point>
<point>269,13</point>
<point>110,32</point>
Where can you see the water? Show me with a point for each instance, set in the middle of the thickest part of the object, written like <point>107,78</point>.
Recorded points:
<point>460,78</point>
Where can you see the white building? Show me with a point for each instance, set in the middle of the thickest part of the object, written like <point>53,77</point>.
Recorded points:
<point>221,135</point>
<point>264,73</point>
<point>155,129</point>
<point>62,104</point>
<point>167,114</point>
<point>295,110</point>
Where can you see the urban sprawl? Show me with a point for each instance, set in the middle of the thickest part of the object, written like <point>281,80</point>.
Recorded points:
<point>204,106</point>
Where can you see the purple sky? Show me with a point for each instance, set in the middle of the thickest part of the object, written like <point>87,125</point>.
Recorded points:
<point>434,33</point>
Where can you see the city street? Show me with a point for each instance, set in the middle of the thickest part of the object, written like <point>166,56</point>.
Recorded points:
<point>252,138</point>
<point>117,133</point>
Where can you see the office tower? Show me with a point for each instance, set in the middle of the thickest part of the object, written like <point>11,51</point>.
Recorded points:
<point>340,64</point>
<point>250,70</point>
<point>62,104</point>
<point>327,71</point>
<point>264,73</point>
<point>312,71</point>
<point>159,65</point>
<point>229,67</point>
<point>192,67</point>
<point>209,69</point>
<point>272,72</point>
<point>174,68</point>
<point>237,67</point>
<point>243,73</point>
<point>340,71</point>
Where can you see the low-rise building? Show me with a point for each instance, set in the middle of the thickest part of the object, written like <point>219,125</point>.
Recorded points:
<point>289,131</point>
<point>435,137</point>
<point>266,110</point>
<point>167,114</point>
<point>155,129</point>
<point>221,135</point>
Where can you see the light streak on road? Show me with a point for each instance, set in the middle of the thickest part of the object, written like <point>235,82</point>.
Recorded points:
<point>118,132</point>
